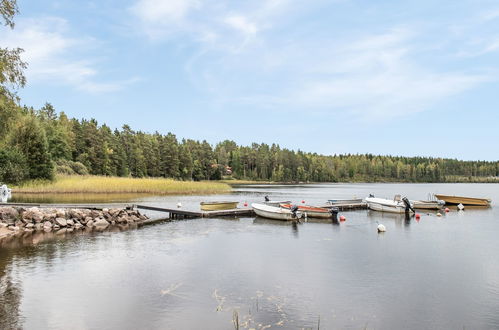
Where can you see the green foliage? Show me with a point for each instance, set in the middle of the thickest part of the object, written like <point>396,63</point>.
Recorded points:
<point>68,167</point>
<point>29,138</point>
<point>13,166</point>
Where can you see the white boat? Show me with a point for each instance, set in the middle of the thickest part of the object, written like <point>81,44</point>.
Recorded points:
<point>5,193</point>
<point>388,205</point>
<point>275,212</point>
<point>276,203</point>
<point>428,205</point>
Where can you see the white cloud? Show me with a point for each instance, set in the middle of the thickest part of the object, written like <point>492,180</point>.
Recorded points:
<point>50,54</point>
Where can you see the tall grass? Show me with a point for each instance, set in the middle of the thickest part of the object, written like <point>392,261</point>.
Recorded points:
<point>104,184</point>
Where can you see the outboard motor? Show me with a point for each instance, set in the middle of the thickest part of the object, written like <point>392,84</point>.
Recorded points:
<point>371,195</point>
<point>293,210</point>
<point>267,199</point>
<point>407,205</point>
<point>334,212</point>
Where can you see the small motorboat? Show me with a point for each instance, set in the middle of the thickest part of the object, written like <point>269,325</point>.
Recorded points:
<point>222,205</point>
<point>5,193</point>
<point>428,205</point>
<point>455,200</point>
<point>311,211</point>
<point>276,212</point>
<point>397,205</point>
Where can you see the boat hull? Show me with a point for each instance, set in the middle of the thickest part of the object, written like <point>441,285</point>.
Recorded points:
<point>464,200</point>
<point>386,205</point>
<point>272,212</point>
<point>214,206</point>
<point>427,205</point>
<point>311,211</point>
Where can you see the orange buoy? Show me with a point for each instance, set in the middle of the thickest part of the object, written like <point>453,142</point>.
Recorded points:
<point>418,216</point>
<point>303,202</point>
<point>245,204</point>
<point>447,210</point>
<point>342,218</point>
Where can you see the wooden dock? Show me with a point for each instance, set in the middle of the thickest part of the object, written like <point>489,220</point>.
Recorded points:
<point>346,207</point>
<point>184,214</point>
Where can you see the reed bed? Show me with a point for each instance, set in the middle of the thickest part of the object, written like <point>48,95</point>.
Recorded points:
<point>104,184</point>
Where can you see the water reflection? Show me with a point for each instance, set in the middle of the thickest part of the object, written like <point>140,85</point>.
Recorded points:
<point>10,294</point>
<point>205,273</point>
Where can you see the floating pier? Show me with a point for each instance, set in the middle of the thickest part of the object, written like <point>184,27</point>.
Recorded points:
<point>184,214</point>
<point>346,207</point>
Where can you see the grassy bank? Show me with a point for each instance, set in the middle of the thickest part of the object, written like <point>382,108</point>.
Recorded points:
<point>104,184</point>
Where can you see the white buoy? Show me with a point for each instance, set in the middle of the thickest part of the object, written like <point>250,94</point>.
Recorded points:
<point>460,207</point>
<point>179,205</point>
<point>381,228</point>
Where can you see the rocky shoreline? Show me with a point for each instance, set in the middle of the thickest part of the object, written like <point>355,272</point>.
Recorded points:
<point>15,220</point>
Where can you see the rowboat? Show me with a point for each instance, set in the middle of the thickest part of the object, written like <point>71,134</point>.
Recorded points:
<point>388,205</point>
<point>212,206</point>
<point>464,200</point>
<point>275,212</point>
<point>311,211</point>
<point>345,201</point>
<point>428,205</point>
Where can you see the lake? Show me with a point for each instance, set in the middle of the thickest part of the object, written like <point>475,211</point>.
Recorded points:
<point>435,273</point>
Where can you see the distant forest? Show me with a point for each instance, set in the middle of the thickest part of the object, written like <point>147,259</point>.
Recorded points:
<point>36,144</point>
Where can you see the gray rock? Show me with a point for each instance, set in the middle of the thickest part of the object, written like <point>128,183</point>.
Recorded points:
<point>60,213</point>
<point>3,225</point>
<point>30,225</point>
<point>8,213</point>
<point>90,223</point>
<point>101,223</point>
<point>47,224</point>
<point>56,227</point>
<point>61,222</point>
<point>70,222</point>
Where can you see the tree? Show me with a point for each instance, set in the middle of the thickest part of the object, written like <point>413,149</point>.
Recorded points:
<point>29,138</point>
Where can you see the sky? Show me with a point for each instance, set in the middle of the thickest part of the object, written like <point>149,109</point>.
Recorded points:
<point>411,78</point>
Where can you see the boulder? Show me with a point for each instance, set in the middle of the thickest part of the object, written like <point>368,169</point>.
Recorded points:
<point>95,214</point>
<point>8,213</point>
<point>47,224</point>
<point>101,223</point>
<point>90,223</point>
<point>70,223</point>
<point>60,213</point>
<point>30,226</point>
<point>61,222</point>
<point>55,227</point>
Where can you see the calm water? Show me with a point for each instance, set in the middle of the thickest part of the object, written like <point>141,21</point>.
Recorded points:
<point>436,273</point>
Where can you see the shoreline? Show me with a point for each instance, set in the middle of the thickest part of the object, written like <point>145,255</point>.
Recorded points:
<point>20,220</point>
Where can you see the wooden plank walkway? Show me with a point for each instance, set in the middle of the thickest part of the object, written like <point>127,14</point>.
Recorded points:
<point>184,214</point>
<point>346,207</point>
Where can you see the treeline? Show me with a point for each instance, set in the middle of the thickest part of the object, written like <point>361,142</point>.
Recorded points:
<point>38,143</point>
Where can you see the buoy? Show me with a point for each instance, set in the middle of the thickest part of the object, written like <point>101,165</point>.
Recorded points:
<point>245,204</point>
<point>179,205</point>
<point>303,202</point>
<point>418,216</point>
<point>447,210</point>
<point>460,207</point>
<point>342,218</point>
<point>438,214</point>
<point>381,228</point>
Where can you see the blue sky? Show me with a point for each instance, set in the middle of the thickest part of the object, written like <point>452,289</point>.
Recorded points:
<point>384,77</point>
